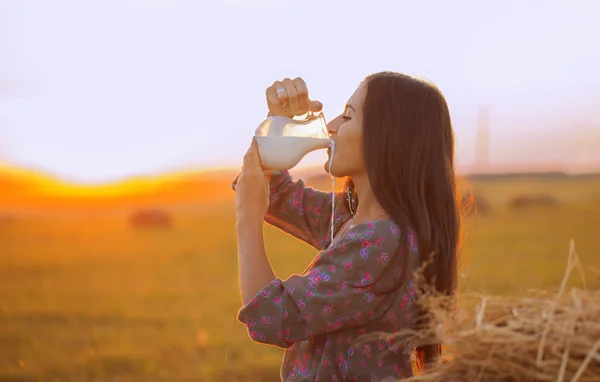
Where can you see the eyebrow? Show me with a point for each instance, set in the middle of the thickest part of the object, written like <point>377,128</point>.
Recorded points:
<point>350,107</point>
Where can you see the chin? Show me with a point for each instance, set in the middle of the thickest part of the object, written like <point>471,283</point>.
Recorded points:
<point>333,170</point>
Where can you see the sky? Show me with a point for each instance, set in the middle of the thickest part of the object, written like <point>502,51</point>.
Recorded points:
<point>104,90</point>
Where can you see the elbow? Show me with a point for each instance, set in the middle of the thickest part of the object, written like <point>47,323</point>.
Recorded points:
<point>285,344</point>
<point>276,339</point>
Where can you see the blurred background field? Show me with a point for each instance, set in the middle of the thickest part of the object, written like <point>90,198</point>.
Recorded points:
<point>147,291</point>
<point>117,265</point>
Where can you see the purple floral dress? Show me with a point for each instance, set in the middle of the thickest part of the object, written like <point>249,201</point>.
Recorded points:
<point>318,315</point>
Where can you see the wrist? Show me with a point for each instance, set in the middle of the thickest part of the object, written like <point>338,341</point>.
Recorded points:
<point>249,223</point>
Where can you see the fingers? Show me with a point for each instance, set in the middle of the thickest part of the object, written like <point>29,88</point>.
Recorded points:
<point>281,91</point>
<point>302,94</point>
<point>252,166</point>
<point>268,174</point>
<point>271,173</point>
<point>272,97</point>
<point>236,181</point>
<point>291,96</point>
<point>252,157</point>
<point>316,106</point>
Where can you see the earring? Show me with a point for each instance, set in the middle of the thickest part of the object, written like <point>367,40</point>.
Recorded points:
<point>350,198</point>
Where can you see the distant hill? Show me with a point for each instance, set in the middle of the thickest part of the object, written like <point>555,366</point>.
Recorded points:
<point>27,190</point>
<point>532,175</point>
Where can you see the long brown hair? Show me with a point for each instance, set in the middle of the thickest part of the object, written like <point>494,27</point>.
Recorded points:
<point>409,155</point>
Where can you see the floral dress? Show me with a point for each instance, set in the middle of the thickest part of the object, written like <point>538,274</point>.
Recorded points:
<point>321,317</point>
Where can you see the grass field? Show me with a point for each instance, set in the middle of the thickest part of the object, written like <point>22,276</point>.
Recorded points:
<point>88,298</point>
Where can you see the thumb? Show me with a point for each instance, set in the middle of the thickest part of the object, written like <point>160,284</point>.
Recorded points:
<point>316,106</point>
<point>270,173</point>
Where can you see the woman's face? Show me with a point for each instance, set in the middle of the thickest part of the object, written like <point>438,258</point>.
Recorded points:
<point>346,130</point>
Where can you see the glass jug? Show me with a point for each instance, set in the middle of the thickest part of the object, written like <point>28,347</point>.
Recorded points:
<point>283,141</point>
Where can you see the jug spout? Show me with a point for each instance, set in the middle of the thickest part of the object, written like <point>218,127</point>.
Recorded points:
<point>325,143</point>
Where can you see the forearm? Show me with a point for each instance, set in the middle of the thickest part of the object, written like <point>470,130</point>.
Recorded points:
<point>254,269</point>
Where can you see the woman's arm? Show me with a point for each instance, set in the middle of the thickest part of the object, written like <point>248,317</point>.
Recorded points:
<point>301,211</point>
<point>330,296</point>
<point>254,269</point>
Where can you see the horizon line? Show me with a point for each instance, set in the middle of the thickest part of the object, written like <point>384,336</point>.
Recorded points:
<point>189,170</point>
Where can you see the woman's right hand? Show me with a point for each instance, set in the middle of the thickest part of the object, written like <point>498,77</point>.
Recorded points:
<point>289,98</point>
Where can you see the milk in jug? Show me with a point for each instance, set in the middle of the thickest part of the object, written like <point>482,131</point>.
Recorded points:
<point>283,141</point>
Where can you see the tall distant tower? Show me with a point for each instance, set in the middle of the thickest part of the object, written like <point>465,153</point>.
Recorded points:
<point>482,140</point>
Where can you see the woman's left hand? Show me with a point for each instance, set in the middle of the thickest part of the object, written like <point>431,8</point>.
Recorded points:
<point>252,190</point>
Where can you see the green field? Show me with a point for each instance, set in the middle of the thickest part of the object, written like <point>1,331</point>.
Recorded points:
<point>88,298</point>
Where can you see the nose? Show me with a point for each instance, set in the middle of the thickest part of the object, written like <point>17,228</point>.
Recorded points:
<point>333,125</point>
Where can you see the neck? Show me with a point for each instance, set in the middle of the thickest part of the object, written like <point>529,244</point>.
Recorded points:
<point>368,206</point>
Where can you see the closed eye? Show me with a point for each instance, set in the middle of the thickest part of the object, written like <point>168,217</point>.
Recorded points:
<point>345,118</point>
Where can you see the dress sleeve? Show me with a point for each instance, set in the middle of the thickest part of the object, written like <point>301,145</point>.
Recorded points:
<point>302,211</point>
<point>329,296</point>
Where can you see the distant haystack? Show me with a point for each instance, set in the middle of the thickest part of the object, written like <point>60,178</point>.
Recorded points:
<point>151,219</point>
<point>533,200</point>
<point>6,219</point>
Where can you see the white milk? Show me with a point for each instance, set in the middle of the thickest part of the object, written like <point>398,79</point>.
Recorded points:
<point>283,153</point>
<point>332,145</point>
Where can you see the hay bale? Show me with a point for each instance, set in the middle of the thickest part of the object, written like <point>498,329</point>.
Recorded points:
<point>150,219</point>
<point>538,337</point>
<point>7,219</point>
<point>533,200</point>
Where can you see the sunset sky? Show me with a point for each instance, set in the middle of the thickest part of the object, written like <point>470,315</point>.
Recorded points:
<point>102,91</point>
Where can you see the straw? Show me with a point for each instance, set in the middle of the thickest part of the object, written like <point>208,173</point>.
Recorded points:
<point>537,336</point>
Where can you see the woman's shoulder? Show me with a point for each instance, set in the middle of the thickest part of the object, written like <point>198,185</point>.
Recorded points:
<point>386,227</point>
<point>383,234</point>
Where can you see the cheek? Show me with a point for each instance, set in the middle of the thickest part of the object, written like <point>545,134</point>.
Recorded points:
<point>349,144</point>
<point>350,133</point>
<point>353,141</point>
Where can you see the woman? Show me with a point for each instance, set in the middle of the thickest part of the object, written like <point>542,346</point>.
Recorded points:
<point>394,144</point>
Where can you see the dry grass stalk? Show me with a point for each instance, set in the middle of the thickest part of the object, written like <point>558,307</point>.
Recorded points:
<point>535,337</point>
